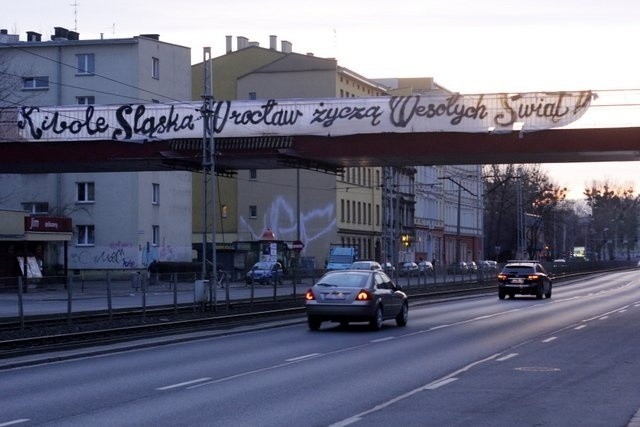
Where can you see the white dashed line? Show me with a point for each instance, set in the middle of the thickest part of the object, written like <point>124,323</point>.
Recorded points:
<point>186,383</point>
<point>306,356</point>
<point>577,328</point>
<point>550,339</point>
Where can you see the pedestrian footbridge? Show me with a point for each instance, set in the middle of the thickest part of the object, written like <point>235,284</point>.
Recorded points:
<point>324,134</point>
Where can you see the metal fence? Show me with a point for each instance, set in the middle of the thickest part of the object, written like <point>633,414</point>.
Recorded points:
<point>110,291</point>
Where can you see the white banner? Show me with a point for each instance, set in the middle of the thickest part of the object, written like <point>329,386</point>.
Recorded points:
<point>290,117</point>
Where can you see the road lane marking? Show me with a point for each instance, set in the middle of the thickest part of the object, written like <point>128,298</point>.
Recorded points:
<point>383,339</point>
<point>186,383</point>
<point>603,318</point>
<point>507,357</point>
<point>577,328</point>
<point>437,384</point>
<point>431,386</point>
<point>550,339</point>
<point>306,356</point>
<point>14,422</point>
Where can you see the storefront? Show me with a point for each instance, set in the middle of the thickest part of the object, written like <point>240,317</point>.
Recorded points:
<point>33,246</point>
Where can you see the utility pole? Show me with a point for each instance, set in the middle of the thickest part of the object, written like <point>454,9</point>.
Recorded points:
<point>208,170</point>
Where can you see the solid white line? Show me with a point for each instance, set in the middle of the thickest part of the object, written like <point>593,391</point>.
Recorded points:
<point>431,386</point>
<point>603,318</point>
<point>507,357</point>
<point>549,339</point>
<point>383,339</point>
<point>14,422</point>
<point>437,384</point>
<point>169,387</point>
<point>306,356</point>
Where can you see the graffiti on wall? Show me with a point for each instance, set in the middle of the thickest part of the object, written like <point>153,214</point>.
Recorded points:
<point>280,217</point>
<point>122,255</point>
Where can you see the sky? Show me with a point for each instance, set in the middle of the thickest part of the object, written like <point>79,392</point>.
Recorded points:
<point>467,46</point>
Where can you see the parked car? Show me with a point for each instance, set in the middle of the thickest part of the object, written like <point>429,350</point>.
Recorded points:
<point>488,265</point>
<point>425,268</point>
<point>265,272</point>
<point>409,269</point>
<point>524,278</point>
<point>365,265</point>
<point>458,268</point>
<point>472,267</point>
<point>356,296</point>
<point>388,268</point>
<point>559,266</point>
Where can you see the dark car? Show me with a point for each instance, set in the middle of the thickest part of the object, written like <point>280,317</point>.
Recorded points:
<point>524,278</point>
<point>356,296</point>
<point>265,273</point>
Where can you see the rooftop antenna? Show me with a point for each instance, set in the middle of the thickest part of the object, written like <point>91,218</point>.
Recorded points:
<point>75,15</point>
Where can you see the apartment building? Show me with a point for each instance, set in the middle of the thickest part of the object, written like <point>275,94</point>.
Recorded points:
<point>317,206</point>
<point>119,220</point>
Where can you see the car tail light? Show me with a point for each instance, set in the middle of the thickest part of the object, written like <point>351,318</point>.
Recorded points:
<point>363,295</point>
<point>309,296</point>
<point>502,276</point>
<point>533,277</point>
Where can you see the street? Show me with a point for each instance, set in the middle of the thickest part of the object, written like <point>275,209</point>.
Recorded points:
<point>570,360</point>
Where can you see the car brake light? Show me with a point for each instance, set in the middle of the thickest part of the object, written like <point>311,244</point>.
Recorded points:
<point>309,296</point>
<point>363,295</point>
<point>533,277</point>
<point>502,276</point>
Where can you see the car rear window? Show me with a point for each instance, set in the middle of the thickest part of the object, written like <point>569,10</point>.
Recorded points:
<point>349,280</point>
<point>519,270</point>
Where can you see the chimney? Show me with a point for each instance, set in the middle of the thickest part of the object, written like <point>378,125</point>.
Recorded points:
<point>151,36</point>
<point>60,33</point>
<point>286,46</point>
<point>229,44</point>
<point>241,42</point>
<point>74,35</point>
<point>253,44</point>
<point>32,36</point>
<point>273,42</point>
<point>5,37</point>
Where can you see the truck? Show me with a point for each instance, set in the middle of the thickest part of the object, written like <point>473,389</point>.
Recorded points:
<point>341,257</point>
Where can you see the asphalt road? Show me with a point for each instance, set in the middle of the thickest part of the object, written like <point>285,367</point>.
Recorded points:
<point>571,360</point>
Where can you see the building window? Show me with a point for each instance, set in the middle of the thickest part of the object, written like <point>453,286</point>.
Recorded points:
<point>348,211</point>
<point>155,237</point>
<point>155,194</point>
<point>36,208</point>
<point>35,83</point>
<point>224,211</point>
<point>155,68</point>
<point>85,64</point>
<point>253,174</point>
<point>252,96</point>
<point>253,211</point>
<point>86,235</point>
<point>85,192</point>
<point>342,210</point>
<point>86,100</point>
